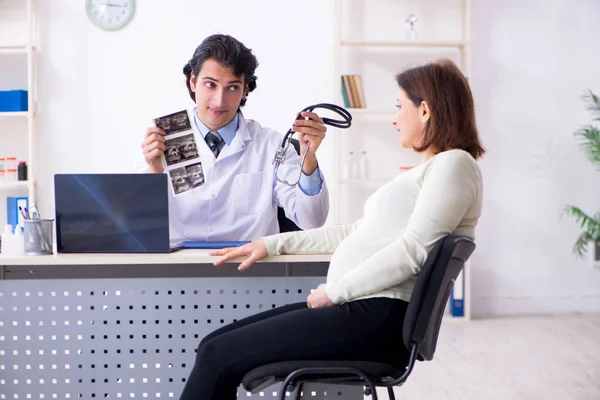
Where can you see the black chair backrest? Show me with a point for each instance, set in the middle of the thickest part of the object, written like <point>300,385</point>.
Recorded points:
<point>432,289</point>
<point>286,224</point>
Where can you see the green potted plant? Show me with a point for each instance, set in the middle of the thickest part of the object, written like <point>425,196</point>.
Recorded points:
<point>589,140</point>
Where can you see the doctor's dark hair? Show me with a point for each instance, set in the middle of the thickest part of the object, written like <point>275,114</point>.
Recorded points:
<point>445,89</point>
<point>227,51</point>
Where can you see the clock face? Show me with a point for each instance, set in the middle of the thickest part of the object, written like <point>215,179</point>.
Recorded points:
<point>110,14</point>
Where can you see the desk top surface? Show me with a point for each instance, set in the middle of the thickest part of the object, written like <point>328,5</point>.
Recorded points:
<point>178,257</point>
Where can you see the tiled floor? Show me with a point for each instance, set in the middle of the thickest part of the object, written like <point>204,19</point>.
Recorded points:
<point>522,358</point>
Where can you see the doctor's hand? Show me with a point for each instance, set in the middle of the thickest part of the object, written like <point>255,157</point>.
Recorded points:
<point>309,130</point>
<point>318,297</point>
<point>153,148</point>
<point>255,251</point>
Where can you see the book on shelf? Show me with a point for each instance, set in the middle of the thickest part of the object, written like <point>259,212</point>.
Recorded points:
<point>360,92</point>
<point>353,93</point>
<point>345,93</point>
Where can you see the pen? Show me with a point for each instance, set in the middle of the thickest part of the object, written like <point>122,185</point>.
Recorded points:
<point>23,212</point>
<point>34,212</point>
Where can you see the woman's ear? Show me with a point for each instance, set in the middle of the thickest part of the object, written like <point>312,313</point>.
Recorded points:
<point>193,82</point>
<point>424,111</point>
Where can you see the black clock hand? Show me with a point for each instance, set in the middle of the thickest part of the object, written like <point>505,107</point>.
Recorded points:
<point>112,5</point>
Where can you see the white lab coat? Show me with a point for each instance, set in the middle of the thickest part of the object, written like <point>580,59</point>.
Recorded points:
<point>240,196</point>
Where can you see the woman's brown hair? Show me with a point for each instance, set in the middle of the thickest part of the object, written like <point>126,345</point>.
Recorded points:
<point>445,89</point>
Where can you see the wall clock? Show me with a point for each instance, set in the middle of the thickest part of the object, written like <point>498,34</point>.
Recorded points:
<point>110,14</point>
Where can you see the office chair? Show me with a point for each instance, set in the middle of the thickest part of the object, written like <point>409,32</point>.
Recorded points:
<point>286,224</point>
<point>420,333</point>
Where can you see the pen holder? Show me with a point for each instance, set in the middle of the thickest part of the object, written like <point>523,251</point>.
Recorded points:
<point>38,236</point>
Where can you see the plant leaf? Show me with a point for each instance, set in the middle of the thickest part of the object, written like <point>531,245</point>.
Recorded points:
<point>589,225</point>
<point>580,246</point>
<point>593,104</point>
<point>589,141</point>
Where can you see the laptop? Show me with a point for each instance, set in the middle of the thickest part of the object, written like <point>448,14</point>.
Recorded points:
<point>116,213</point>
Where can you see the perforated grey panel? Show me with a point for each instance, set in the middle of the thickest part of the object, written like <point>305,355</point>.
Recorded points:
<point>127,338</point>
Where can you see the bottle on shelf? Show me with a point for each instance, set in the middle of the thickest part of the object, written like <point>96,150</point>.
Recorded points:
<point>10,168</point>
<point>10,175</point>
<point>363,165</point>
<point>11,163</point>
<point>8,239</point>
<point>350,168</point>
<point>19,241</point>
<point>22,171</point>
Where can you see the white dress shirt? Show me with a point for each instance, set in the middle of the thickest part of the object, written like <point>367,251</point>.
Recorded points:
<point>240,196</point>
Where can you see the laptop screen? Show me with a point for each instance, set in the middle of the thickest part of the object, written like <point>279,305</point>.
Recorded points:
<point>111,213</point>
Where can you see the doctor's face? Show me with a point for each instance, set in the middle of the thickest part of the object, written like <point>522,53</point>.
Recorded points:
<point>410,121</point>
<point>218,94</point>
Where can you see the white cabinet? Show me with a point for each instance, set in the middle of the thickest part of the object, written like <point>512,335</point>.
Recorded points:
<point>18,23</point>
<point>372,40</point>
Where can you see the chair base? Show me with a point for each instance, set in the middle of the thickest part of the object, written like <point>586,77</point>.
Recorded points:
<point>294,374</point>
<point>391,394</point>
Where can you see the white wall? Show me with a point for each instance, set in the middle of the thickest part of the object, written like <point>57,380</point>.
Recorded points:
<point>99,91</point>
<point>531,62</point>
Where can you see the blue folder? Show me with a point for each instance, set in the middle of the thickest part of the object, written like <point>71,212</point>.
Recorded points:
<point>190,244</point>
<point>457,298</point>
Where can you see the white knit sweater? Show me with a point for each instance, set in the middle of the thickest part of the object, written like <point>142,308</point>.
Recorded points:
<point>381,254</point>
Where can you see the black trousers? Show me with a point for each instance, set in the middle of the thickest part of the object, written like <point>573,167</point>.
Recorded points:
<point>369,329</point>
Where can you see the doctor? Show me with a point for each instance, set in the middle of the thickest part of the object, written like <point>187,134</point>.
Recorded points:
<point>240,194</point>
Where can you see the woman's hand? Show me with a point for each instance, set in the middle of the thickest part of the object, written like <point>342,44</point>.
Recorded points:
<point>255,251</point>
<point>318,297</point>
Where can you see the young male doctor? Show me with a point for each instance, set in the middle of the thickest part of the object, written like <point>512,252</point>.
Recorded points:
<point>240,194</point>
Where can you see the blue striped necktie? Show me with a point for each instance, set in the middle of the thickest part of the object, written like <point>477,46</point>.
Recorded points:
<point>215,142</point>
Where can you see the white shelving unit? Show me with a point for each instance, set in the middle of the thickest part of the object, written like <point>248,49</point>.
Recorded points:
<point>15,114</point>
<point>372,111</point>
<point>414,44</point>
<point>15,185</point>
<point>25,47</point>
<point>13,50</point>
<point>370,42</point>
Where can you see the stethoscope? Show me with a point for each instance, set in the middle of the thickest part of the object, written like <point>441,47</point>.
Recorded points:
<point>279,157</point>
